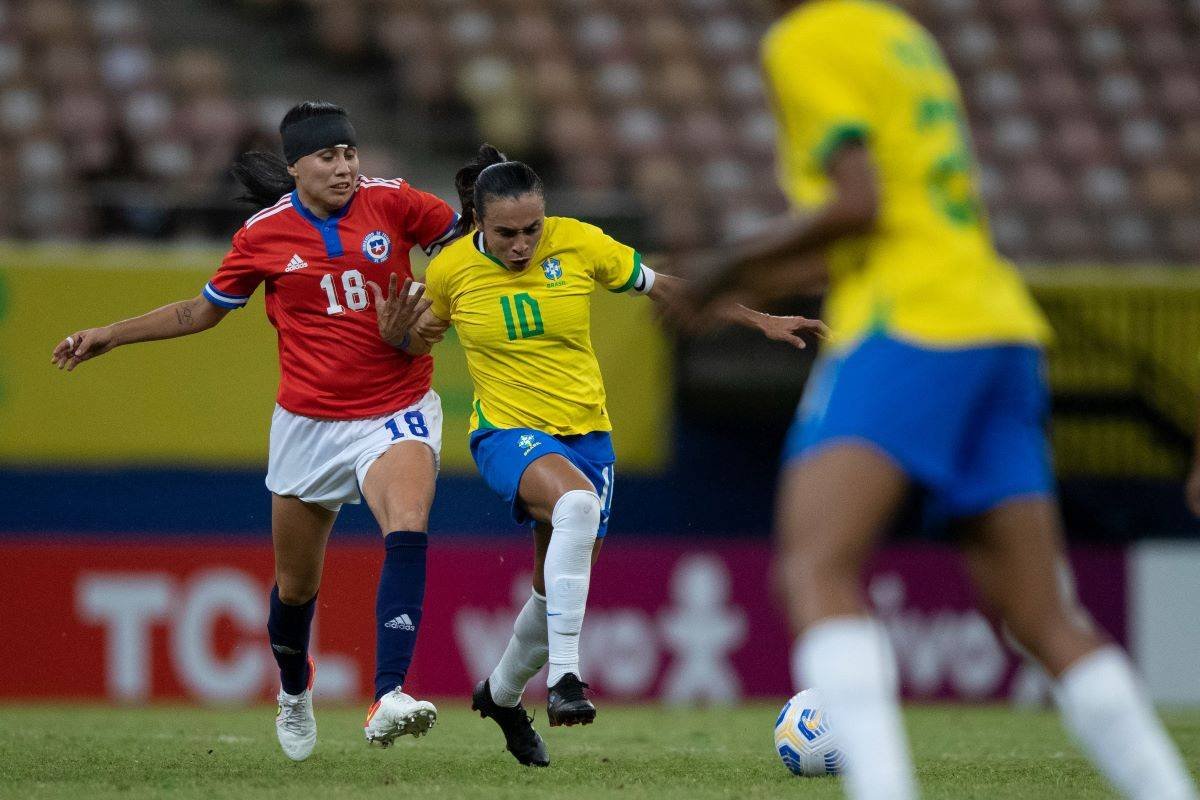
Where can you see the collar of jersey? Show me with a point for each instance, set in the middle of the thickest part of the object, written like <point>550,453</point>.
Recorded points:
<point>477,239</point>
<point>328,228</point>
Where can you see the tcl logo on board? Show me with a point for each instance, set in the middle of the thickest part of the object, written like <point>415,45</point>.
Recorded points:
<point>130,607</point>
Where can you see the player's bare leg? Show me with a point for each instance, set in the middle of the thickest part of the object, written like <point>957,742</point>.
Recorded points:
<point>299,533</point>
<point>553,491</point>
<point>1015,553</point>
<point>400,485</point>
<point>399,489</point>
<point>833,507</point>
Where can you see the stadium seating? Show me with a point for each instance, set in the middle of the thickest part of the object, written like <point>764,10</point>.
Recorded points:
<point>1085,113</point>
<point>107,135</point>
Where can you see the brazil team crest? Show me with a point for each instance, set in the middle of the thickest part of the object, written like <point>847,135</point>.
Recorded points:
<point>553,269</point>
<point>527,444</point>
<point>377,247</point>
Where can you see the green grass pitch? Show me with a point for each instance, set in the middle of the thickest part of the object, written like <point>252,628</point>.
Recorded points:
<point>93,753</point>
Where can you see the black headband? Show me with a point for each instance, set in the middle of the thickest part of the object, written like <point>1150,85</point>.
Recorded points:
<point>316,133</point>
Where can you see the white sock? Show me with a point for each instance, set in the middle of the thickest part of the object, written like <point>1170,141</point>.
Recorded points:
<point>524,656</point>
<point>1106,709</point>
<point>575,520</point>
<point>850,661</point>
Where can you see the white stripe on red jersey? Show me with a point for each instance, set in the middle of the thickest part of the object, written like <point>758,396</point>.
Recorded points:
<point>395,183</point>
<point>283,204</point>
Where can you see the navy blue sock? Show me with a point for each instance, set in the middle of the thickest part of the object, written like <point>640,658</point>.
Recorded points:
<point>288,628</point>
<point>398,607</point>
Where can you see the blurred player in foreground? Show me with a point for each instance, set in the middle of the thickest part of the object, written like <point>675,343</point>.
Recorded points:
<point>517,292</point>
<point>933,380</point>
<point>352,410</point>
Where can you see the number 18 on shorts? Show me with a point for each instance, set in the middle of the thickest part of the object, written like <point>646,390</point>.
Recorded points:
<point>325,461</point>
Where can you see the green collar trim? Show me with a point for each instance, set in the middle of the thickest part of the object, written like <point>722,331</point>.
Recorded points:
<point>483,421</point>
<point>637,273</point>
<point>478,240</point>
<point>839,135</point>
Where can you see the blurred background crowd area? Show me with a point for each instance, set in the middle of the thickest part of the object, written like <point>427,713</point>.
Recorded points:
<point>122,117</point>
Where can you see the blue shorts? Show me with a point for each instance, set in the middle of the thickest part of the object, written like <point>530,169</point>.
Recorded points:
<point>966,425</point>
<point>502,456</point>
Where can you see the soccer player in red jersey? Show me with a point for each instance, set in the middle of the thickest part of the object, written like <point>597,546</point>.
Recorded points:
<point>352,410</point>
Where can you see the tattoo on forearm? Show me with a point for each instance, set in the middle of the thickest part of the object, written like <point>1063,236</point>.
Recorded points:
<point>184,315</point>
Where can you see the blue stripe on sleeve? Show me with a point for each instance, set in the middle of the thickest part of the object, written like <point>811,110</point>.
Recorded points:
<point>223,300</point>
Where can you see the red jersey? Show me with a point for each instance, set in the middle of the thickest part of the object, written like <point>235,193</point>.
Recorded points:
<point>332,362</point>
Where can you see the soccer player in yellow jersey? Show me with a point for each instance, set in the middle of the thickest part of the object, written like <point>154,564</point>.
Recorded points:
<point>933,380</point>
<point>517,291</point>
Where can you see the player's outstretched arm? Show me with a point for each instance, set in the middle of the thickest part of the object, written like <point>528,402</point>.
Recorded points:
<point>670,293</point>
<point>177,319</point>
<point>851,210</point>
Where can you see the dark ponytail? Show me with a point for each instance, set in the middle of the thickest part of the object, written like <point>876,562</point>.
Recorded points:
<point>475,186</point>
<point>264,176</point>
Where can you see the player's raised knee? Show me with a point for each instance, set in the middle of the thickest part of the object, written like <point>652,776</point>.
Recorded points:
<point>577,509</point>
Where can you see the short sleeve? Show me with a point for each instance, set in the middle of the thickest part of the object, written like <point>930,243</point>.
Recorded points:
<point>435,291</point>
<point>818,100</point>
<point>617,266</point>
<point>428,219</point>
<point>237,277</point>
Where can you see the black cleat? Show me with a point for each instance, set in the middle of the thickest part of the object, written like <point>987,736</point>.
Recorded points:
<point>566,704</point>
<point>522,740</point>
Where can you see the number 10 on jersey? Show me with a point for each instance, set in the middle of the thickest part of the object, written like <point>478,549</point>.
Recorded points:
<point>528,316</point>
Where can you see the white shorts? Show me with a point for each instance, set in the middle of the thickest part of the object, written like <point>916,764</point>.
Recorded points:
<point>325,461</point>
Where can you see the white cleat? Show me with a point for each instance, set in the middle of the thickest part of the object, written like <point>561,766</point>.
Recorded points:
<point>295,723</point>
<point>397,714</point>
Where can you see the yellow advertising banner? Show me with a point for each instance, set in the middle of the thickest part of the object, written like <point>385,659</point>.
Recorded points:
<point>206,400</point>
<point>1124,367</point>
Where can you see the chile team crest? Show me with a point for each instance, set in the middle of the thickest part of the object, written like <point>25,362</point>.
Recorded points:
<point>377,246</point>
<point>552,268</point>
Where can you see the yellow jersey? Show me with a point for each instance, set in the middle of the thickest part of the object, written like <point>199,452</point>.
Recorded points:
<point>527,335</point>
<point>839,70</point>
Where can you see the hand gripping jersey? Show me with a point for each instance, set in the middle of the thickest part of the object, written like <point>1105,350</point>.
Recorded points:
<point>332,362</point>
<point>527,334</point>
<point>861,69</point>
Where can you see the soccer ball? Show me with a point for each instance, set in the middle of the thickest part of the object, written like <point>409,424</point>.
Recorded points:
<point>803,739</point>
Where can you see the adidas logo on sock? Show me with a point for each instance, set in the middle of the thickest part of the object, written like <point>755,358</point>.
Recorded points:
<point>284,650</point>
<point>400,623</point>
<point>296,263</point>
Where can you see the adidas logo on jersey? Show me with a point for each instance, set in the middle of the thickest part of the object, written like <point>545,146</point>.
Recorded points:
<point>296,263</point>
<point>400,623</point>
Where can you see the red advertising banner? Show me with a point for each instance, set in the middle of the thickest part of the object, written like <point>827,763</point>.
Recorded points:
<point>681,621</point>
